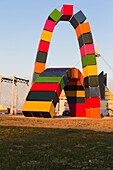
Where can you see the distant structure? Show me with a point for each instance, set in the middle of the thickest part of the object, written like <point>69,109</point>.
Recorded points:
<point>82,92</point>
<point>13,92</point>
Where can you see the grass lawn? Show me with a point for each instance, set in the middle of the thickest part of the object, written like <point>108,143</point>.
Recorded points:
<point>24,148</point>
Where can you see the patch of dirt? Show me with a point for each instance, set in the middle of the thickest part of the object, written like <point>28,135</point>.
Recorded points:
<point>104,124</point>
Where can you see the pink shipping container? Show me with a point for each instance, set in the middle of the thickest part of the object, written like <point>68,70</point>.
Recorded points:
<point>87,49</point>
<point>49,25</point>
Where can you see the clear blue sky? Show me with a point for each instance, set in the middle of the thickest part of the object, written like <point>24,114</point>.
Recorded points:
<point>21,25</point>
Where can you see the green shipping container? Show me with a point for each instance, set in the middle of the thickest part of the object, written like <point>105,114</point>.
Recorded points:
<point>88,60</point>
<point>59,80</point>
<point>55,15</point>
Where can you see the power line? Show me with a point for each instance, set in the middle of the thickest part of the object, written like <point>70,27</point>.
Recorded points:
<point>98,55</point>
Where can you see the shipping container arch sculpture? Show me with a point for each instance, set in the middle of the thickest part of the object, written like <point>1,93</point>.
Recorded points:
<point>83,98</point>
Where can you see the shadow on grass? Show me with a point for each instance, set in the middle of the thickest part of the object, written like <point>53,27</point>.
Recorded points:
<point>23,148</point>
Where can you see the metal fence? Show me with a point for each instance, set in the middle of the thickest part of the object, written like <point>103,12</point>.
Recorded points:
<point>13,92</point>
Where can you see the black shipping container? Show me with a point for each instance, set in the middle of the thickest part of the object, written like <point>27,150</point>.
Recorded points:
<point>42,96</point>
<point>91,81</point>
<point>41,57</point>
<point>73,87</point>
<point>85,39</point>
<point>77,19</point>
<point>92,92</point>
<point>76,99</point>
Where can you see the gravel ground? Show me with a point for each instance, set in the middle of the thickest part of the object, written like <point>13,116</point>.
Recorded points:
<point>104,124</point>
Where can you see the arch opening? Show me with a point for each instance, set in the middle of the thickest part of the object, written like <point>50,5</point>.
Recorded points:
<point>57,56</point>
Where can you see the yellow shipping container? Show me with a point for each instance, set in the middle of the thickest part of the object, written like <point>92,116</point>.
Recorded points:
<point>75,93</point>
<point>46,35</point>
<point>90,70</point>
<point>39,106</point>
<point>80,93</point>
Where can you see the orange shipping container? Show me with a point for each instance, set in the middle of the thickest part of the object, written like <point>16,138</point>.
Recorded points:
<point>39,67</point>
<point>74,73</point>
<point>93,113</point>
<point>82,29</point>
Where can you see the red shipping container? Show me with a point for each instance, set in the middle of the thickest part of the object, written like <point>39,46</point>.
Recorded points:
<point>79,83</point>
<point>74,73</point>
<point>76,82</point>
<point>77,106</point>
<point>72,106</point>
<point>81,77</point>
<point>43,46</point>
<point>72,82</point>
<point>77,113</point>
<point>67,10</point>
<point>92,102</point>
<point>72,113</point>
<point>78,110</point>
<point>49,25</point>
<point>80,106</point>
<point>47,87</point>
<point>81,113</point>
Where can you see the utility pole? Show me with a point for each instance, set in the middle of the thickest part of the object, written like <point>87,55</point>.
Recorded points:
<point>16,98</point>
<point>12,103</point>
